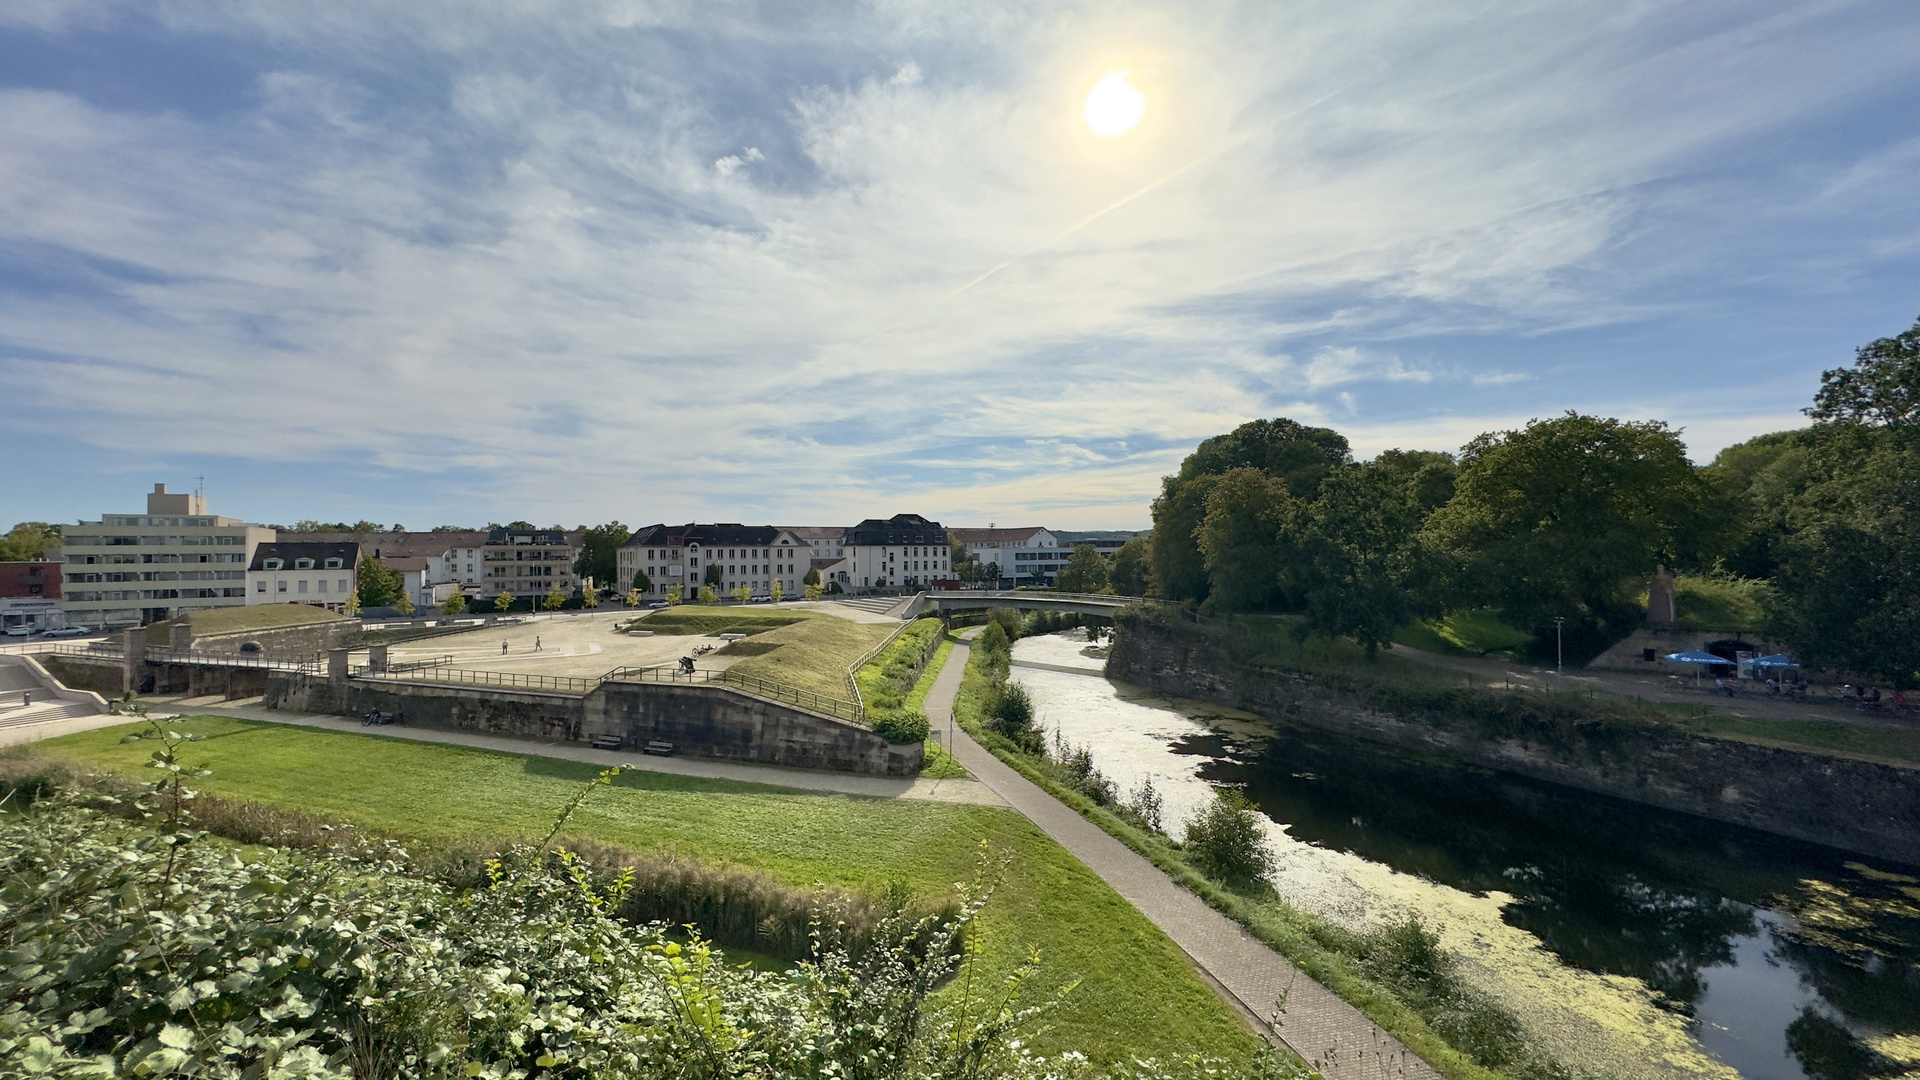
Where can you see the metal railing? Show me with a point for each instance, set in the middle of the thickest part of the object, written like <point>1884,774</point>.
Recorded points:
<point>853,683</point>
<point>512,680</point>
<point>769,689</point>
<point>236,660</point>
<point>420,665</point>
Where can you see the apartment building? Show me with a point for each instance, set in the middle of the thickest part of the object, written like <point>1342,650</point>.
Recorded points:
<point>452,558</point>
<point>750,556</point>
<point>132,569</point>
<point>1028,556</point>
<point>903,551</point>
<point>322,575</point>
<point>824,541</point>
<point>528,562</point>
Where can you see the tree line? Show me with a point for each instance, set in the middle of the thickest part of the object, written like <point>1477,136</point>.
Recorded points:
<point>1566,518</point>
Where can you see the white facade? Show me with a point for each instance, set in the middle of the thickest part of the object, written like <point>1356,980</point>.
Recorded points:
<point>903,551</point>
<point>752,557</point>
<point>131,569</point>
<point>1021,556</point>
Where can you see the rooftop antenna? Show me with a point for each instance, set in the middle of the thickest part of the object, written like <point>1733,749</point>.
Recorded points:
<point>200,486</point>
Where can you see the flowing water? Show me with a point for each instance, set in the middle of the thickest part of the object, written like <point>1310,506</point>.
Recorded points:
<point>1628,940</point>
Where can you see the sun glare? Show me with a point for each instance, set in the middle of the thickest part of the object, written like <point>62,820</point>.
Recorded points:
<point>1114,106</point>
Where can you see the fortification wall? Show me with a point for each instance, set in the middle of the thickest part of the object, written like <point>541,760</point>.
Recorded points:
<point>1861,806</point>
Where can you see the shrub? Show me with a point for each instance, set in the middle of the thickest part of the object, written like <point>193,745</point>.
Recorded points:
<point>1009,713</point>
<point>1079,772</point>
<point>1227,841</point>
<point>902,726</point>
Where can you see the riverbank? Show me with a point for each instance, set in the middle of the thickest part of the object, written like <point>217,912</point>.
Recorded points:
<point>1639,755</point>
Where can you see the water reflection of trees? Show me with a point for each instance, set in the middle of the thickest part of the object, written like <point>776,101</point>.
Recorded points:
<point>1608,886</point>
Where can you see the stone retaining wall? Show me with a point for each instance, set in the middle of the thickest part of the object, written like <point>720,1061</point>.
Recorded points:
<point>710,721</point>
<point>1859,806</point>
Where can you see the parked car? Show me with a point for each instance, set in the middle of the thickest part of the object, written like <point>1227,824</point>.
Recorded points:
<point>658,603</point>
<point>19,631</point>
<point>763,598</point>
<point>68,631</point>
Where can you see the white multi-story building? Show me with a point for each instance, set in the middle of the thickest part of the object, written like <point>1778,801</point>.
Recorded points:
<point>749,556</point>
<point>903,551</point>
<point>1028,556</point>
<point>322,575</point>
<point>132,569</point>
<point>452,557</point>
<point>824,541</point>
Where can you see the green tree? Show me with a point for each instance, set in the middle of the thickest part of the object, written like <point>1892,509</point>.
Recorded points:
<point>814,591</point>
<point>714,576</point>
<point>521,526</point>
<point>379,586</point>
<point>30,541</point>
<point>1179,567</point>
<point>779,591</point>
<point>505,600</point>
<point>1359,569</point>
<point>1566,516</point>
<point>1131,571</point>
<point>454,604</point>
<point>1085,572</point>
<point>967,566</point>
<point>635,597</point>
<point>1758,480</point>
<point>554,600</point>
<point>641,581</point>
<point>404,605</point>
<point>812,577</point>
<point>1881,390</point>
<point>675,593</point>
<point>742,594</point>
<point>599,552</point>
<point>709,595</point>
<point>1241,539</point>
<point>589,596</point>
<point>351,605</point>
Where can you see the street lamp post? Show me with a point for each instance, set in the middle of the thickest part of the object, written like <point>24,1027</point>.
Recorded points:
<point>1559,647</point>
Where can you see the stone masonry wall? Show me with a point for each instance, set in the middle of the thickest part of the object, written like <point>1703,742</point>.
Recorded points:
<point>291,642</point>
<point>1858,806</point>
<point>701,721</point>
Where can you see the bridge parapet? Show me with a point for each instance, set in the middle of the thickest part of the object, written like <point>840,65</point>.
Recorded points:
<point>1027,600</point>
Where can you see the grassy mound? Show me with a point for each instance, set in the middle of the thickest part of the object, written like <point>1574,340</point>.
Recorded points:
<point>814,653</point>
<point>685,621</point>
<point>239,620</point>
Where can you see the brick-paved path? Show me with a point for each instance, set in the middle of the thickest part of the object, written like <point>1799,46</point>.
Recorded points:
<point>1314,1022</point>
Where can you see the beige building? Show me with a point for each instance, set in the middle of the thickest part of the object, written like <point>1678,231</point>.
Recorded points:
<point>740,556</point>
<point>132,569</point>
<point>527,562</point>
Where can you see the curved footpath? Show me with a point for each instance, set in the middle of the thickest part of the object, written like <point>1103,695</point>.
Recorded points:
<point>1314,1022</point>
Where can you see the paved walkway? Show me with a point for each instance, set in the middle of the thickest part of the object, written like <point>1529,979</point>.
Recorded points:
<point>1314,1022</point>
<point>878,787</point>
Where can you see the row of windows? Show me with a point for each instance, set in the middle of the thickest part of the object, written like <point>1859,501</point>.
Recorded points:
<point>157,594</point>
<point>95,560</point>
<point>320,586</point>
<point>154,541</point>
<point>300,564</point>
<point>160,575</point>
<point>201,522</point>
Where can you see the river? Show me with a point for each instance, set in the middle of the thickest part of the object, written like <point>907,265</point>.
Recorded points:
<point>1629,941</point>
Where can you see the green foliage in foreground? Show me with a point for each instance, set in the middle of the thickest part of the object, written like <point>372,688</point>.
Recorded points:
<point>136,951</point>
<point>1138,994</point>
<point>1398,977</point>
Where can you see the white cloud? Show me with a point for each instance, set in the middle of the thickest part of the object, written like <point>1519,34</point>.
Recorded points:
<point>566,261</point>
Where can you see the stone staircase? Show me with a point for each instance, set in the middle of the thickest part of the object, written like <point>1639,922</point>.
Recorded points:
<point>879,605</point>
<point>18,682</point>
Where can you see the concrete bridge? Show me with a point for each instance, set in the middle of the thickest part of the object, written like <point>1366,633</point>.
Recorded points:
<point>1025,600</point>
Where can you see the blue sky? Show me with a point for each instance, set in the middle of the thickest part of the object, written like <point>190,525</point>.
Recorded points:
<point>448,263</point>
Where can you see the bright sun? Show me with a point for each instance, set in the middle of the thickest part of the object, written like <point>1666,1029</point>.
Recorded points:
<point>1114,106</point>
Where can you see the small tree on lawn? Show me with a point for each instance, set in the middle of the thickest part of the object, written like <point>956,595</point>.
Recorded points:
<point>708,596</point>
<point>403,605</point>
<point>555,599</point>
<point>351,605</point>
<point>742,594</point>
<point>814,591</point>
<point>675,593</point>
<point>589,596</point>
<point>454,604</point>
<point>634,596</point>
<point>641,581</point>
<point>1227,842</point>
<point>779,592</point>
<point>504,601</point>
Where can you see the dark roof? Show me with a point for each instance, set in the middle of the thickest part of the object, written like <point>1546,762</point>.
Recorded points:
<point>721,534</point>
<point>898,529</point>
<point>403,544</point>
<point>1097,536</point>
<point>539,536</point>
<point>817,532</point>
<point>348,554</point>
<point>981,536</point>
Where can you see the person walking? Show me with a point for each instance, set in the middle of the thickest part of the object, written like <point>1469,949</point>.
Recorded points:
<point>536,643</point>
<point>503,648</point>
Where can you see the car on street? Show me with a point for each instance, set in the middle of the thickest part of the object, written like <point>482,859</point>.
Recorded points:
<point>68,631</point>
<point>19,631</point>
<point>658,604</point>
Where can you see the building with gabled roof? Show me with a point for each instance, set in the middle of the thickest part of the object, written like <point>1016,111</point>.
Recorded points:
<point>904,551</point>
<point>739,556</point>
<point>320,574</point>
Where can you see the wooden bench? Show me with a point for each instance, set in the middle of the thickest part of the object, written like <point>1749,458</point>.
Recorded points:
<point>607,742</point>
<point>655,746</point>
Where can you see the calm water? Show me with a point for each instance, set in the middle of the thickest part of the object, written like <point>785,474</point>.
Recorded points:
<point>1668,945</point>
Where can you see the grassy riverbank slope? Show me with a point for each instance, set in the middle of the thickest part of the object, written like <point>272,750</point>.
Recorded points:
<point>1138,995</point>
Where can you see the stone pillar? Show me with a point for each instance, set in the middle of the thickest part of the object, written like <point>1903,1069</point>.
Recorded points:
<point>134,663</point>
<point>377,659</point>
<point>337,666</point>
<point>1662,610</point>
<point>180,637</point>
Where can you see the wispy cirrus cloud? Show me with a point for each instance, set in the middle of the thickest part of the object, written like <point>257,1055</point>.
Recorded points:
<point>663,261</point>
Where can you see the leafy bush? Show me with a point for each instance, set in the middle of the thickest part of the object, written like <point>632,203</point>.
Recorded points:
<point>1080,773</point>
<point>1227,842</point>
<point>902,726</point>
<point>887,680</point>
<point>1010,714</point>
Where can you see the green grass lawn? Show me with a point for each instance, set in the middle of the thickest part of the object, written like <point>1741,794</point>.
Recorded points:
<point>1139,994</point>
<point>814,653</point>
<point>940,764</point>
<point>1895,744</point>
<point>233,620</point>
<point>685,619</point>
<point>1476,633</point>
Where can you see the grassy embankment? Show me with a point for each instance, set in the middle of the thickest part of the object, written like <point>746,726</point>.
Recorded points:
<point>809,651</point>
<point>1138,996</point>
<point>235,620</point>
<point>1397,978</point>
